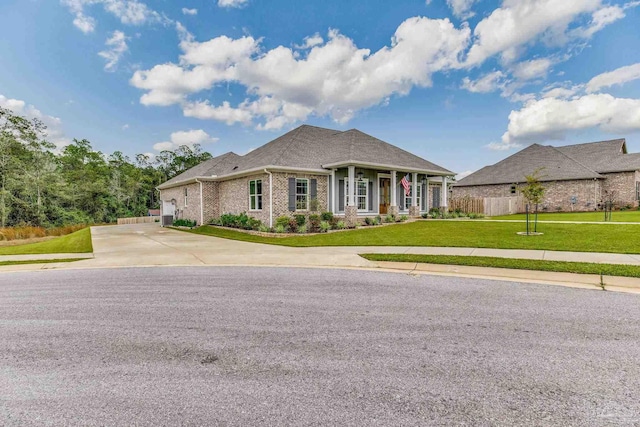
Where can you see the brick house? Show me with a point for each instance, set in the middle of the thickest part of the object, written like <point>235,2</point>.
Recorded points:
<point>308,169</point>
<point>576,177</point>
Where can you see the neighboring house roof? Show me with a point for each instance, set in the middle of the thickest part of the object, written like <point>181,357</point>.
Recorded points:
<point>579,161</point>
<point>314,149</point>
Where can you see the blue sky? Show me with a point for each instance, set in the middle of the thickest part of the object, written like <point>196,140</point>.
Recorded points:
<point>463,83</point>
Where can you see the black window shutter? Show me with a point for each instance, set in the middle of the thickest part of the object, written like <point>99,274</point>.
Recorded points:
<point>424,196</point>
<point>313,189</point>
<point>292,194</point>
<point>401,196</point>
<point>370,195</point>
<point>341,195</point>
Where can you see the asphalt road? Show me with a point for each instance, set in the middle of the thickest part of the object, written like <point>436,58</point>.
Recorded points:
<point>258,346</point>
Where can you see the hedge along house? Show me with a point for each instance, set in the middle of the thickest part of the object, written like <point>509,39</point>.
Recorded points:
<point>576,177</point>
<point>308,170</point>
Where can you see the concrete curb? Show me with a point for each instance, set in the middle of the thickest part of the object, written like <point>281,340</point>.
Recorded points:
<point>44,257</point>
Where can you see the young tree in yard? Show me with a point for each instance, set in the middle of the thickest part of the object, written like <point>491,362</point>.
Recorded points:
<point>533,192</point>
<point>608,200</point>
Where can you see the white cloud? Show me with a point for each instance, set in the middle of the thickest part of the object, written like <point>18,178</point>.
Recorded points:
<point>517,23</point>
<point>54,131</point>
<point>117,46</point>
<point>335,78</point>
<point>232,3</point>
<point>186,11</point>
<point>311,41</point>
<point>125,126</point>
<point>552,118</point>
<point>599,19</point>
<point>461,8</point>
<point>533,69</point>
<point>560,92</point>
<point>188,138</point>
<point>463,174</point>
<point>487,83</point>
<point>502,146</point>
<point>130,12</point>
<point>616,77</point>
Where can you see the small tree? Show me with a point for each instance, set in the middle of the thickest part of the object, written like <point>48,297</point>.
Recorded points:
<point>533,192</point>
<point>608,200</point>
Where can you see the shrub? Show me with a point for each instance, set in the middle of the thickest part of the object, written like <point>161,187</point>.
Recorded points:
<point>378,220</point>
<point>302,228</point>
<point>292,226</point>
<point>300,219</point>
<point>314,223</point>
<point>425,215</point>
<point>390,218</point>
<point>454,215</point>
<point>263,228</point>
<point>326,216</point>
<point>184,223</point>
<point>283,221</point>
<point>325,226</point>
<point>368,221</point>
<point>403,218</point>
<point>238,221</point>
<point>279,228</point>
<point>334,222</point>
<point>475,216</point>
<point>340,225</point>
<point>215,221</point>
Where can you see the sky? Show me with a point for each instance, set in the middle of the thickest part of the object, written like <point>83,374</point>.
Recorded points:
<point>462,83</point>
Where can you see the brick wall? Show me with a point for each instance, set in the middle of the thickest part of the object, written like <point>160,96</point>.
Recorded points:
<point>281,193</point>
<point>234,197</point>
<point>624,184</point>
<point>192,209</point>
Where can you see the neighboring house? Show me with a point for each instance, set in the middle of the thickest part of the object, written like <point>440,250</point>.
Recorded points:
<point>576,177</point>
<point>309,169</point>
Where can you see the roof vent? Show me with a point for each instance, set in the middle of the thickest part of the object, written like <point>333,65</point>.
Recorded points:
<point>235,168</point>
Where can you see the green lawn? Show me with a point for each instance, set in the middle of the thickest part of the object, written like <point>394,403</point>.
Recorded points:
<point>616,216</point>
<point>519,264</point>
<point>561,237</point>
<point>42,261</point>
<point>78,242</point>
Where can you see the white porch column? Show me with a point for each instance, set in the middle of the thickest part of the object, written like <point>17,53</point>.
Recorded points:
<point>445,192</point>
<point>393,188</point>
<point>414,189</point>
<point>426,195</point>
<point>332,191</point>
<point>352,186</point>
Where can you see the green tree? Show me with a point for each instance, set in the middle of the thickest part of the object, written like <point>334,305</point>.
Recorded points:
<point>533,192</point>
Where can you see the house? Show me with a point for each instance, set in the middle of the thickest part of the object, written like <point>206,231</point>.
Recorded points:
<point>576,177</point>
<point>309,169</point>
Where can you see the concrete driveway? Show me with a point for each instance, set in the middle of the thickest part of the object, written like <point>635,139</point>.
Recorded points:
<point>150,245</point>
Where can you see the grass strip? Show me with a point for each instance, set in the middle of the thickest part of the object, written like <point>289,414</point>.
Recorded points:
<point>42,261</point>
<point>617,216</point>
<point>518,264</point>
<point>470,234</point>
<point>78,242</point>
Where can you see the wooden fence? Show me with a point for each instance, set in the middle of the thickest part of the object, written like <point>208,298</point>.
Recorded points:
<point>467,204</point>
<point>496,206</point>
<point>139,220</point>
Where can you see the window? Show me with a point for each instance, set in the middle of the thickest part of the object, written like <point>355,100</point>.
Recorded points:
<point>637,190</point>
<point>409,198</point>
<point>255,195</point>
<point>302,194</point>
<point>513,189</point>
<point>362,194</point>
<point>185,197</point>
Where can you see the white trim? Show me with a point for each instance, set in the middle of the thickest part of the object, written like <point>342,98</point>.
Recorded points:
<point>394,184</point>
<point>357,196</point>
<point>351,197</point>
<point>414,189</point>
<point>385,166</point>
<point>201,205</point>
<point>270,197</point>
<point>333,191</point>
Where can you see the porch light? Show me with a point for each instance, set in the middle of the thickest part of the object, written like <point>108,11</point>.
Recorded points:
<point>424,181</point>
<point>360,176</point>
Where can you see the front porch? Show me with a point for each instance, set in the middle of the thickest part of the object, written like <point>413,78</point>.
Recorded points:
<point>357,191</point>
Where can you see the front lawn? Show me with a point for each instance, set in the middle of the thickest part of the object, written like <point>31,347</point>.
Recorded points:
<point>558,237</point>
<point>518,264</point>
<point>616,216</point>
<point>78,242</point>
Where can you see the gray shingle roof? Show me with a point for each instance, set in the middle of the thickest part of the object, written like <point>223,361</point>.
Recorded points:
<point>578,161</point>
<point>554,165</point>
<point>310,147</point>
<point>215,166</point>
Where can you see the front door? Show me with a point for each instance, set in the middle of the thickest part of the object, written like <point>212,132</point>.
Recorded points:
<point>385,195</point>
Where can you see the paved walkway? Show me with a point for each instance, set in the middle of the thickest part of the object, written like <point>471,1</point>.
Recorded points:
<point>144,245</point>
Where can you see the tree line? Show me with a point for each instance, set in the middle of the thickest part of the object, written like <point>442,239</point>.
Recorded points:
<point>40,186</point>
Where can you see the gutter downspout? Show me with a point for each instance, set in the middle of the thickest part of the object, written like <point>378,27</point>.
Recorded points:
<point>270,197</point>
<point>201,205</point>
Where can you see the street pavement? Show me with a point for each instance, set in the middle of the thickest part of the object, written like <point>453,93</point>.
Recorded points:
<point>243,346</point>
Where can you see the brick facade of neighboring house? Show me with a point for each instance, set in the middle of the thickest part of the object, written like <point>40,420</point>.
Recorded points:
<point>310,153</point>
<point>576,177</point>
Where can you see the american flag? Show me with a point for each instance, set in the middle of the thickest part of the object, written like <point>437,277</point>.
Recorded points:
<point>406,185</point>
